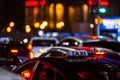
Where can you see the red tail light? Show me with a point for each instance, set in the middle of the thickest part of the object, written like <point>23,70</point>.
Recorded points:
<point>26,74</point>
<point>99,54</point>
<point>31,55</point>
<point>29,46</point>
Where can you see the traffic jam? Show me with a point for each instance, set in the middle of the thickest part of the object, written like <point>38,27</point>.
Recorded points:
<point>69,58</point>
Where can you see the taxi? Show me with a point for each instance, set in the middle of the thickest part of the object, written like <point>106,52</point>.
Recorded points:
<point>93,52</point>
<point>74,65</point>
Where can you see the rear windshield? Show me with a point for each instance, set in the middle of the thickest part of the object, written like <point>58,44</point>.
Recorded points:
<point>44,43</point>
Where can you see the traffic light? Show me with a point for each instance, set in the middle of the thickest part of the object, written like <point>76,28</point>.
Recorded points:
<point>99,6</point>
<point>102,10</point>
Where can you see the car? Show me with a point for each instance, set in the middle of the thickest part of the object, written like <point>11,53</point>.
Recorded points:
<point>74,65</point>
<point>17,48</point>
<point>9,75</point>
<point>7,59</point>
<point>100,41</point>
<point>62,51</point>
<point>38,45</point>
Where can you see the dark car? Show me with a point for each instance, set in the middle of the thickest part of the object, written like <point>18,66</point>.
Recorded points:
<point>74,65</point>
<point>100,41</point>
<point>8,60</point>
<point>16,48</point>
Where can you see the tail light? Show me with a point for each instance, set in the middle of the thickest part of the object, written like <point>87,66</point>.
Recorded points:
<point>26,74</point>
<point>31,55</point>
<point>15,51</point>
<point>29,46</point>
<point>99,54</point>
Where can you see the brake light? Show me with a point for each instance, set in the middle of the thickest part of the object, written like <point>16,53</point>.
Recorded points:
<point>14,51</point>
<point>31,55</point>
<point>99,54</point>
<point>93,37</point>
<point>29,46</point>
<point>26,74</point>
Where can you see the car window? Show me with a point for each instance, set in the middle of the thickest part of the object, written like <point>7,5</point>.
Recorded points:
<point>69,42</point>
<point>44,42</point>
<point>52,53</point>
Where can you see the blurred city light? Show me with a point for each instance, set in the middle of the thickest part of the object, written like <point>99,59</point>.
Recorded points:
<point>40,32</point>
<point>91,26</point>
<point>43,2</point>
<point>25,40</point>
<point>11,24</point>
<point>27,29</point>
<point>31,3</point>
<point>36,25</point>
<point>96,20</point>
<point>9,29</point>
<point>60,25</point>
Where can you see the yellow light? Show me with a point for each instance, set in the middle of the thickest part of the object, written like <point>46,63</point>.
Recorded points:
<point>27,29</point>
<point>45,23</point>
<point>59,11</point>
<point>37,24</point>
<point>9,29</point>
<point>11,24</point>
<point>117,22</point>
<point>42,26</point>
<point>14,50</point>
<point>59,26</point>
<point>96,20</point>
<point>100,52</point>
<point>62,23</point>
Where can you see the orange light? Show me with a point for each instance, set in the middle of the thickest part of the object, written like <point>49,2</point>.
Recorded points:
<point>26,74</point>
<point>93,37</point>
<point>29,46</point>
<point>99,52</point>
<point>31,55</point>
<point>14,50</point>
<point>31,3</point>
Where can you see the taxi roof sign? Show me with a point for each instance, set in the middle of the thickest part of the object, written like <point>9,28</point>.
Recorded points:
<point>77,53</point>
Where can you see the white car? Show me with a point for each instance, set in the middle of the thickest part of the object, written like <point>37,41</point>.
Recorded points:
<point>38,45</point>
<point>7,75</point>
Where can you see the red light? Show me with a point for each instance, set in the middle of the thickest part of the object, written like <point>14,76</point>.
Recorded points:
<point>90,2</point>
<point>96,2</point>
<point>104,3</point>
<point>26,74</point>
<point>43,2</point>
<point>31,3</point>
